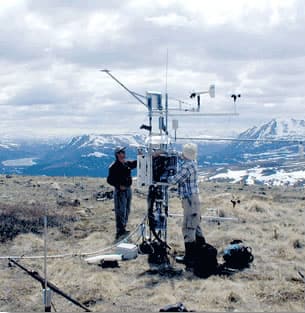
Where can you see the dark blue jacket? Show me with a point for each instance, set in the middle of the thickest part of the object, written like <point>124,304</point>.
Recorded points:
<point>120,173</point>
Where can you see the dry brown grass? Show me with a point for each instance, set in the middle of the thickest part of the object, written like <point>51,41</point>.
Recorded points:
<point>271,221</point>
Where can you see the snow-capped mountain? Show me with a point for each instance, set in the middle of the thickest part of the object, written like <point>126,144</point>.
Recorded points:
<point>276,129</point>
<point>272,153</point>
<point>86,155</point>
<point>274,140</point>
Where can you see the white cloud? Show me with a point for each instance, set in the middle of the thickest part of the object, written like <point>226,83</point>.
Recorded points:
<point>171,19</point>
<point>51,53</point>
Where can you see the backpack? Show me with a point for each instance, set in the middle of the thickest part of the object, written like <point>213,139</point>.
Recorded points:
<point>237,255</point>
<point>205,263</point>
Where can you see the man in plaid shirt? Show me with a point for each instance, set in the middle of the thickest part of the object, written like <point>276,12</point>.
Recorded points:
<point>187,180</point>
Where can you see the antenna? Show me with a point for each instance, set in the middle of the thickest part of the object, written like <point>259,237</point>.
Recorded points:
<point>166,94</point>
<point>166,71</point>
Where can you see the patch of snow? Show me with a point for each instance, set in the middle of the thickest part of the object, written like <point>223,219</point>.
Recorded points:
<point>8,145</point>
<point>254,175</point>
<point>95,154</point>
<point>102,140</point>
<point>19,162</point>
<point>236,176</point>
<point>283,178</point>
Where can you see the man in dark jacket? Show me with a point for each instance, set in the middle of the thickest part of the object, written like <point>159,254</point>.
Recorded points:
<point>120,178</point>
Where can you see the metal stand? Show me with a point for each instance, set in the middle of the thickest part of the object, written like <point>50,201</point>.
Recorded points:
<point>47,296</point>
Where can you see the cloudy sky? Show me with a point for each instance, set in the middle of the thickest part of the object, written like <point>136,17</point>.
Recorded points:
<point>51,53</point>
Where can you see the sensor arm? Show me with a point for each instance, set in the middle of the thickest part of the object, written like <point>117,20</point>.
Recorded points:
<point>201,92</point>
<point>134,94</point>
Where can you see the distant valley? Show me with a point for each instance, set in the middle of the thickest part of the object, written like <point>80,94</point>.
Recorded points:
<point>271,153</point>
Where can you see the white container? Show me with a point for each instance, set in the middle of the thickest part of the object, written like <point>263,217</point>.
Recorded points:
<point>144,177</point>
<point>105,257</point>
<point>127,250</point>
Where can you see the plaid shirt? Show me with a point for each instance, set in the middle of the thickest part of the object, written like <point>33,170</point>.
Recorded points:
<point>186,179</point>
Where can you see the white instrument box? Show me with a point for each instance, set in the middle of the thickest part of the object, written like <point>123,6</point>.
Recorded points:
<point>127,250</point>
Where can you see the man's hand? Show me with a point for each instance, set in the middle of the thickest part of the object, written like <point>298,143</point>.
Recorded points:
<point>156,153</point>
<point>122,187</point>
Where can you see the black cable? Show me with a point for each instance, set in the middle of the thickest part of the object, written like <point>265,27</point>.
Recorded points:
<point>151,220</point>
<point>36,276</point>
<point>53,306</point>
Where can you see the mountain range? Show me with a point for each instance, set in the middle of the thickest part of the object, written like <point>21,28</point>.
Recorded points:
<point>270,148</point>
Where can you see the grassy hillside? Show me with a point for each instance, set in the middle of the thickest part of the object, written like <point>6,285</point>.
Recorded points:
<point>271,221</point>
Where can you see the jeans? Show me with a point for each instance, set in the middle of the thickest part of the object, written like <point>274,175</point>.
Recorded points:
<point>122,201</point>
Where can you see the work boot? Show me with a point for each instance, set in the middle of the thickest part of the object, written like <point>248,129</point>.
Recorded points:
<point>200,241</point>
<point>122,234</point>
<point>190,252</point>
<point>190,249</point>
<point>119,233</point>
<point>125,233</point>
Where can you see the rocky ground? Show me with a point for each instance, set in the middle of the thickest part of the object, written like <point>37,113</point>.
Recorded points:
<point>270,220</point>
